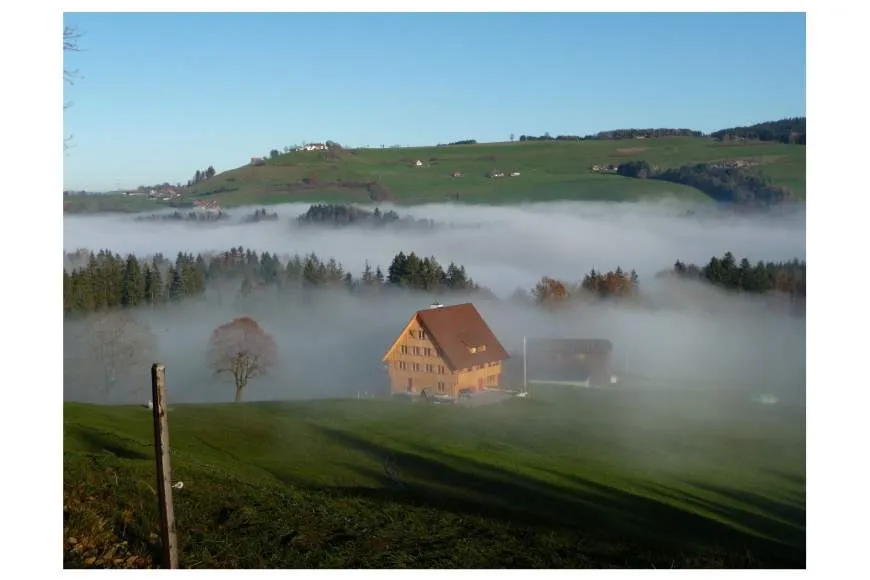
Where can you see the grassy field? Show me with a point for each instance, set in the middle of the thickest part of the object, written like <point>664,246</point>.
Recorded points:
<point>555,170</point>
<point>566,478</point>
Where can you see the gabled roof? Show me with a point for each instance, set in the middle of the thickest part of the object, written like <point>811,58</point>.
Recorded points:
<point>455,331</point>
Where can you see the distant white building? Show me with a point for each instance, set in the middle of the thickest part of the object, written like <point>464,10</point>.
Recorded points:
<point>418,163</point>
<point>312,147</point>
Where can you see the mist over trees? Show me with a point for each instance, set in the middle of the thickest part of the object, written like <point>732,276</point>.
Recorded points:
<point>346,214</point>
<point>788,278</point>
<point>595,285</point>
<point>106,280</point>
<point>103,281</point>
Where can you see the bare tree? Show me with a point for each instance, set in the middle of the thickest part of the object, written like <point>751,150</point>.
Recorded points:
<point>242,349</point>
<point>71,36</point>
<point>111,353</point>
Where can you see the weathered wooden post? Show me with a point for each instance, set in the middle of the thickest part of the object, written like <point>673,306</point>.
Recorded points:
<point>164,469</point>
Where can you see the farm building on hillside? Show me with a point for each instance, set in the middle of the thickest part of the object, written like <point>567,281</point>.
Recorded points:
<point>569,360</point>
<point>445,350</point>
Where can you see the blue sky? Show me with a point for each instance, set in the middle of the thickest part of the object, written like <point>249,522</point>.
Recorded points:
<point>163,94</point>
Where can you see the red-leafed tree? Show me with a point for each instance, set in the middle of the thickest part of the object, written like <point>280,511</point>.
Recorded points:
<point>243,349</point>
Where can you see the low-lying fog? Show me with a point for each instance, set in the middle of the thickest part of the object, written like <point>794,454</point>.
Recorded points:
<point>330,345</point>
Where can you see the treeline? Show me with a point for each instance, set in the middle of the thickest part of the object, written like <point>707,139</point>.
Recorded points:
<point>346,214</point>
<point>790,131</point>
<point>548,137</point>
<point>465,142</point>
<point>260,215</point>
<point>95,282</point>
<point>644,133</point>
<point>726,272</point>
<point>192,216</point>
<point>595,285</point>
<point>201,175</point>
<point>107,280</point>
<point>616,135</point>
<point>723,183</point>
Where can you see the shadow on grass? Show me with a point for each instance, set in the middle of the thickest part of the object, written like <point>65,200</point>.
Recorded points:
<point>428,477</point>
<point>97,442</point>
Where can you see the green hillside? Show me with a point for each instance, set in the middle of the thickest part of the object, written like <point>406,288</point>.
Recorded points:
<point>549,170</point>
<point>562,479</point>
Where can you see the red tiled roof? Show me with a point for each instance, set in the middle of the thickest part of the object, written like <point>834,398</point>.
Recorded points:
<point>455,330</point>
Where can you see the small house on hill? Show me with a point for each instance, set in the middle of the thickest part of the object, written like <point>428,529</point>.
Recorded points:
<point>445,350</point>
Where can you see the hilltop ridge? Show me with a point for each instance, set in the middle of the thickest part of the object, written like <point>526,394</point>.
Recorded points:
<point>528,170</point>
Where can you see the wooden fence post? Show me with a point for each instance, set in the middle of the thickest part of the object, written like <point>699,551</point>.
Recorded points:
<point>164,470</point>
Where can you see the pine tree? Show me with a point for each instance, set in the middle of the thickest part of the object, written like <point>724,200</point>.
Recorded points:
<point>67,293</point>
<point>368,277</point>
<point>176,289</point>
<point>133,285</point>
<point>398,270</point>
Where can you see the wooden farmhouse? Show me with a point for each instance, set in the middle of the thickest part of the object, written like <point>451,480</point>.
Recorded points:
<point>445,350</point>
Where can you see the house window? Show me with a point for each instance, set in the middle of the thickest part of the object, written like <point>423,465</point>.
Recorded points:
<point>404,349</point>
<point>417,350</point>
<point>402,365</point>
<point>440,387</point>
<point>441,369</point>
<point>417,367</point>
<point>422,335</point>
<point>427,351</point>
<point>430,368</point>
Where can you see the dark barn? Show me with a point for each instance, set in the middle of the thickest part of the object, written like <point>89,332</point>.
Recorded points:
<point>569,360</point>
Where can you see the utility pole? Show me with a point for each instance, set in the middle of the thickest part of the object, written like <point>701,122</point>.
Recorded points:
<point>525,368</point>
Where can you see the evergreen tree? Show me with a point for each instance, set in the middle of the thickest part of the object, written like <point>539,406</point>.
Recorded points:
<point>368,277</point>
<point>67,293</point>
<point>133,287</point>
<point>398,270</point>
<point>176,290</point>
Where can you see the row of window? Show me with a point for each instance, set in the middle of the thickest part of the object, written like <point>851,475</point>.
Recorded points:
<point>416,367</point>
<point>442,386</point>
<point>416,350</point>
<point>419,334</point>
<point>431,368</point>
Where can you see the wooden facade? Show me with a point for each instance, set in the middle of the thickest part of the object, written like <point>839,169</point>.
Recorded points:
<point>443,351</point>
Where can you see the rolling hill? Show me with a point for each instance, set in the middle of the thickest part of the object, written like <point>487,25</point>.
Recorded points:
<point>548,171</point>
<point>564,479</point>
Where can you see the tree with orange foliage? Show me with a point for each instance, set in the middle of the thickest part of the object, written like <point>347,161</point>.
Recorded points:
<point>242,348</point>
<point>549,291</point>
